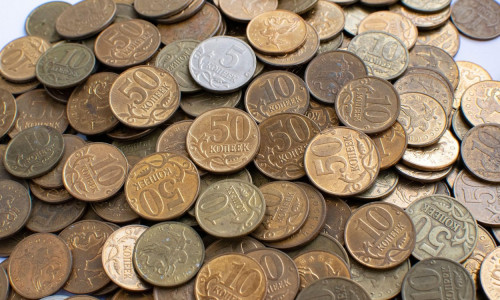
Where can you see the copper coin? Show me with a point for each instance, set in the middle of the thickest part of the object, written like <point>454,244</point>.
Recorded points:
<point>391,145</point>
<point>60,95</point>
<point>485,245</point>
<point>337,213</point>
<point>384,185</point>
<point>15,203</point>
<point>46,217</point>
<point>196,104</point>
<point>18,88</point>
<point>144,97</point>
<point>8,244</point>
<point>477,19</point>
<point>223,140</point>
<point>437,214</point>
<point>423,21</point>
<point>85,18</point>
<point>299,7</point>
<point>445,37</point>
<point>313,224</point>
<point>470,73</point>
<point>139,147</point>
<point>333,44</point>
<point>481,152</point>
<point>8,112</point>
<point>423,176</point>
<point>229,274</point>
<point>372,47</point>
<point>124,12</point>
<point>337,287</point>
<point>342,161</point>
<point>489,279</point>
<point>162,186</point>
<point>315,265</point>
<point>380,235</point>
<point>124,133</point>
<point>276,92</point>
<point>377,3</point>
<point>242,245</point>
<point>408,191</point>
<point>327,18</point>
<point>459,124</point>
<point>277,32</point>
<point>244,11</point>
<point>42,20</point>
<point>478,103</point>
<point>116,209</point>
<point>393,23</point>
<point>184,292</point>
<point>95,172</point>
<point>173,138</point>
<point>287,208</point>
<point>354,14</point>
<point>323,242</point>
<point>327,73</point>
<point>4,284</point>
<point>159,9</point>
<point>4,174</point>
<point>59,195</point>
<point>323,115</point>
<point>82,297</point>
<point>125,295</point>
<point>37,108</point>
<point>39,265</point>
<point>426,6</point>
<point>436,59</point>
<point>127,43</point>
<point>194,7</point>
<point>284,138</point>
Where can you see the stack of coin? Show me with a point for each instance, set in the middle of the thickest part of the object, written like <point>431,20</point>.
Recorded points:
<point>249,149</point>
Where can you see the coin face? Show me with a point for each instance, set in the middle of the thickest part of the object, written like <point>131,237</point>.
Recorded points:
<point>424,21</point>
<point>334,44</point>
<point>159,9</point>
<point>436,59</point>
<point>57,195</point>
<point>423,176</point>
<point>408,191</point>
<point>48,269</point>
<point>385,184</point>
<point>479,152</point>
<point>244,11</point>
<point>327,18</point>
<point>485,245</point>
<point>470,73</point>
<point>426,6</point>
<point>222,64</point>
<point>315,265</point>
<point>173,138</point>
<point>196,104</point>
<point>336,286</point>
<point>479,103</point>
<point>116,209</point>
<point>342,161</point>
<point>391,145</point>
<point>185,292</point>
<point>487,274</point>
<point>48,217</point>
<point>459,125</point>
<point>391,22</point>
<point>162,186</point>
<point>242,245</point>
<point>384,54</point>
<point>16,207</point>
<point>41,21</point>
<point>445,37</point>
<point>436,214</point>
<point>223,140</point>
<point>300,7</point>
<point>95,172</point>
<point>354,14</point>
<point>18,88</point>
<point>323,115</point>
<point>8,111</point>
<point>469,17</point>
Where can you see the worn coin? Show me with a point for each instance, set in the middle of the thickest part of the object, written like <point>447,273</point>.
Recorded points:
<point>377,3</point>
<point>391,22</point>
<point>47,217</point>
<point>42,20</point>
<point>337,287</point>
<point>58,195</point>
<point>488,275</point>
<point>8,244</point>
<point>423,176</point>
<point>116,209</point>
<point>173,138</point>
<point>391,145</point>
<point>5,286</point>
<point>139,147</point>
<point>477,19</point>
<point>480,152</point>
<point>184,292</point>
<point>323,115</point>
<point>244,11</point>
<point>459,124</point>
<point>354,14</point>
<point>470,73</point>
<point>408,191</point>
<point>436,59</point>
<point>124,12</point>
<point>332,44</point>
<point>337,213</point>
<point>479,103</point>
<point>485,245</point>
<point>196,104</point>
<point>323,242</point>
<point>384,185</point>
<point>327,18</point>
<point>425,21</point>
<point>211,178</point>
<point>18,88</point>
<point>315,265</point>
<point>298,7</point>
<point>15,203</point>
<point>242,245</point>
<point>159,8</point>
<point>445,37</point>
<point>194,7</point>
<point>8,111</point>
<point>426,6</point>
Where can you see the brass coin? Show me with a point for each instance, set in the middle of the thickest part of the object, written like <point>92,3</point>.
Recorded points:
<point>436,59</point>
<point>39,265</point>
<point>470,73</point>
<point>210,178</point>
<point>298,7</point>
<point>59,195</point>
<point>391,145</point>
<point>487,274</point>
<point>423,119</point>
<point>478,103</point>
<point>327,73</point>
<point>168,254</point>
<point>4,174</point>
<point>234,202</point>
<point>127,43</point>
<point>315,265</point>
<point>18,88</point>
<point>384,185</point>
<point>445,37</point>
<point>354,14</point>
<point>4,284</point>
<point>159,8</point>
<point>46,217</point>
<point>408,191</point>
<point>194,7</point>
<point>439,276</point>
<point>15,203</point>
<point>18,58</point>
<point>123,133</point>
<point>284,138</point>
<point>391,22</point>
<point>342,161</point>
<point>371,48</point>
<point>60,95</point>
<point>95,172</point>
<point>65,65</point>
<point>337,287</point>
<point>184,292</point>
<point>477,19</point>
<point>485,245</point>
<point>242,245</point>
<point>459,125</point>
<point>8,112</point>
<point>199,103</point>
<point>144,97</point>
<point>41,21</point>
<point>422,176</point>
<point>337,213</point>
<point>437,214</point>
<point>162,186</point>
<point>323,115</point>
<point>140,147</point>
<point>223,140</point>
<point>323,242</point>
<point>125,295</point>
<point>287,208</point>
<point>8,244</point>
<point>333,44</point>
<point>425,21</point>
<point>443,189</point>
<point>124,12</point>
<point>426,6</point>
<point>85,18</point>
<point>277,32</point>
<point>173,138</point>
<point>116,209</point>
<point>327,18</point>
<point>244,11</point>
<point>480,152</point>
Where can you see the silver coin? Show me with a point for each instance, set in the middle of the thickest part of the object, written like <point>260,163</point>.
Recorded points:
<point>222,64</point>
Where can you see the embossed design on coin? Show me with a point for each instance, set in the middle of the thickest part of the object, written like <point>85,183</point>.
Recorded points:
<point>426,6</point>
<point>15,207</point>
<point>470,73</point>
<point>323,115</point>
<point>435,59</point>
<point>477,19</point>
<point>246,10</point>
<point>445,37</point>
<point>408,191</point>
<point>337,287</point>
<point>488,275</point>
<point>8,111</point>
<point>480,103</point>
<point>391,145</point>
<point>385,184</point>
<point>314,265</point>
<point>327,18</point>
<point>159,8</point>
<point>481,152</point>
<point>196,104</point>
<point>393,23</point>
<point>485,245</point>
<point>242,245</point>
<point>424,21</point>
<point>173,138</point>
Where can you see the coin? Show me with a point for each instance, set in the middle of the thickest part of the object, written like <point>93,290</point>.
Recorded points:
<point>173,138</point>
<point>66,65</point>
<point>377,3</point>
<point>391,145</point>
<point>426,6</point>
<point>332,44</point>
<point>95,172</point>
<point>422,176</point>
<point>60,95</point>
<point>337,213</point>
<point>127,43</point>
<point>339,166</point>
<point>408,191</point>
<point>211,178</point>
<point>116,209</point>
<point>425,21</point>
<point>384,185</point>
<point>122,133</point>
<point>327,18</point>
<point>159,9</point>
<point>435,214</point>
<point>162,186</point>
<point>436,59</point>
<point>184,292</point>
<point>8,111</point>
<point>476,19</point>
<point>371,48</point>
<point>470,73</point>
<point>391,22</point>
<point>336,286</point>
<point>140,147</point>
<point>441,277</point>
<point>316,265</point>
<point>445,37</point>
<point>85,18</point>
<point>39,265</point>
<point>479,104</point>
<point>125,295</point>
<point>244,11</point>
<point>323,242</point>
<point>4,284</point>
<point>47,217</point>
<point>224,246</point>
<point>194,7</point>
<point>479,152</point>
<point>124,12</point>
<point>459,125</point>
<point>299,7</point>
<point>196,104</point>
<point>82,297</point>
<point>8,244</point>
<point>327,73</point>
<point>41,21</point>
<point>488,276</point>
<point>323,115</point>
<point>354,14</point>
<point>18,88</point>
<point>15,204</point>
<point>485,245</point>
<point>59,195</point>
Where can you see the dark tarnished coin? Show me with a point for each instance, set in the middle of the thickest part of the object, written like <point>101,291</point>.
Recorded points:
<point>60,95</point>
<point>168,254</point>
<point>173,138</point>
<point>18,88</point>
<point>481,152</point>
<point>95,172</point>
<point>59,195</point>
<point>139,147</point>
<point>242,245</point>
<point>337,213</point>
<point>196,104</point>
<point>116,209</point>
<point>15,207</point>
<point>391,145</point>
<point>284,138</point>
<point>298,7</point>
<point>85,18</point>
<point>408,191</point>
<point>122,133</point>
<point>193,8</point>
<point>391,22</point>
<point>385,184</point>
<point>85,239</point>
<point>327,73</point>
<point>445,37</point>
<point>479,103</point>
<point>39,265</point>
<point>470,73</point>
<point>426,6</point>
<point>478,19</point>
<point>436,59</point>
<point>436,214</point>
<point>368,104</point>
<point>144,97</point>
<point>125,295</point>
<point>42,20</point>
<point>34,152</point>
<point>127,43</point>
<point>65,65</point>
<point>159,8</point>
<point>315,265</point>
<point>230,208</point>
<point>488,274</point>
<point>327,18</point>
<point>8,111</point>
<point>46,217</point>
<point>337,287</point>
<point>323,115</point>
<point>384,54</point>
<point>485,245</point>
<point>440,277</point>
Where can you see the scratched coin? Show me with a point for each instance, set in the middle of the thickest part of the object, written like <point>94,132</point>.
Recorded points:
<point>116,209</point>
<point>8,112</point>
<point>42,20</point>
<point>168,254</point>
<point>391,22</point>
<point>481,152</point>
<point>408,191</point>
<point>436,59</point>
<point>337,287</point>
<point>489,279</point>
<point>327,18</point>
<point>315,265</point>
<point>197,103</point>
<point>445,37</point>
<point>477,19</point>
<point>479,103</point>
<point>436,214</point>
<point>426,6</point>
<point>242,245</point>
<point>15,203</point>
<point>54,217</point>
<point>95,172</point>
<point>485,245</point>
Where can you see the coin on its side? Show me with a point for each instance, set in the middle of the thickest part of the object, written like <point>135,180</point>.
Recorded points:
<point>15,203</point>
<point>479,103</point>
<point>337,286</point>
<point>489,280</point>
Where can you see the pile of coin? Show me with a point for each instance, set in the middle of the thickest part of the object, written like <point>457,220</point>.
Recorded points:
<point>250,149</point>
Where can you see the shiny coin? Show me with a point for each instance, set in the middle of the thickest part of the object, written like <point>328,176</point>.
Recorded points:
<point>46,217</point>
<point>316,265</point>
<point>300,7</point>
<point>479,104</point>
<point>327,18</point>
<point>336,286</point>
<point>196,104</point>
<point>59,195</point>
<point>480,148</point>
<point>385,184</point>
<point>436,59</point>
<point>408,191</point>
<point>470,73</point>
<point>8,111</point>
<point>485,245</point>
<point>15,203</point>
<point>159,8</point>
<point>396,24</point>
<point>426,6</point>
<point>42,20</point>
<point>488,276</point>
<point>115,209</point>
<point>445,37</point>
<point>422,176</point>
<point>244,11</point>
<point>391,145</point>
<point>323,115</point>
<point>242,245</point>
<point>470,18</point>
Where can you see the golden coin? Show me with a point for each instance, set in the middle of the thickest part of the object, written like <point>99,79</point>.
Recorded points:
<point>436,59</point>
<point>422,176</point>
<point>277,32</point>
<point>228,276</point>
<point>162,186</point>
<point>8,111</point>
<point>470,73</point>
<point>393,23</point>
<point>342,161</point>
<point>242,245</point>
<point>223,140</point>
<point>489,278</point>
<point>327,18</point>
<point>485,245</point>
<point>18,88</point>
<point>354,14</point>
<point>480,151</point>
<point>245,10</point>
<point>445,37</point>
<point>173,138</point>
<point>139,147</point>
<point>408,191</point>
<point>314,265</point>
<point>196,104</point>
<point>298,7</point>
<point>391,145</point>
<point>230,208</point>
<point>479,104</point>
<point>95,172</point>
<point>425,21</point>
<point>144,97</point>
<point>323,242</point>
<point>159,8</point>
<point>384,185</point>
<point>337,213</point>
<point>323,115</point>
<point>459,125</point>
